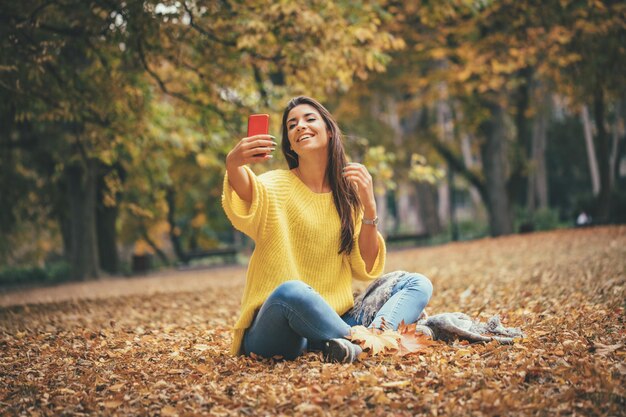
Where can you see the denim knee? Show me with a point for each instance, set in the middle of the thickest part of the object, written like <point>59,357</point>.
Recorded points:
<point>421,283</point>
<point>291,292</point>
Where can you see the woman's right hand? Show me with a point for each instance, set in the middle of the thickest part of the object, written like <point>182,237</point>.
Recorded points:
<point>250,150</point>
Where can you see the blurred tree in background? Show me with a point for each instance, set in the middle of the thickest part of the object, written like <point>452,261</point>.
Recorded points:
<point>116,116</point>
<point>481,82</point>
<point>132,106</point>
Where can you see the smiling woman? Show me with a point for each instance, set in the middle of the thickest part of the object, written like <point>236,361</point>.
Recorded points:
<point>314,226</point>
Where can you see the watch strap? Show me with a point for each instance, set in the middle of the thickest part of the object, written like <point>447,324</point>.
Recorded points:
<point>371,222</point>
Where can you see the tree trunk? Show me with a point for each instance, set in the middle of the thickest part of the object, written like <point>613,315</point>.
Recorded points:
<point>66,234</point>
<point>392,118</point>
<point>421,198</point>
<point>107,238</point>
<point>602,148</point>
<point>408,218</point>
<point>537,177</point>
<point>454,227</point>
<point>444,134</point>
<point>162,256</point>
<point>427,206</point>
<point>81,193</point>
<point>105,222</point>
<point>615,144</point>
<point>619,142</point>
<point>518,182</point>
<point>591,152</point>
<point>60,212</point>
<point>466,149</point>
<point>174,231</point>
<point>456,161</point>
<point>494,165</point>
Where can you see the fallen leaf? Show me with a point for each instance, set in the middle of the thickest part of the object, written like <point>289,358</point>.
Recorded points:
<point>605,350</point>
<point>380,398</point>
<point>396,384</point>
<point>202,369</point>
<point>50,368</point>
<point>411,340</point>
<point>201,347</point>
<point>112,404</point>
<point>168,411</point>
<point>377,341</point>
<point>117,387</point>
<point>309,408</point>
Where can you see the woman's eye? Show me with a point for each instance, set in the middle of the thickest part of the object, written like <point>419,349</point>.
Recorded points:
<point>310,119</point>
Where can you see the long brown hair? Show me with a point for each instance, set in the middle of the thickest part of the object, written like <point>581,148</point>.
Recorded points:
<point>344,194</point>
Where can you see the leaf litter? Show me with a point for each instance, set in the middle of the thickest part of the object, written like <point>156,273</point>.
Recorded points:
<point>166,354</point>
<point>405,341</point>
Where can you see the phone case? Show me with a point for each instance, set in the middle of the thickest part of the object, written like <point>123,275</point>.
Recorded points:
<point>258,124</point>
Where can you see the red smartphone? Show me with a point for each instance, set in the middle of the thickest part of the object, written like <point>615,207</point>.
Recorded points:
<point>258,124</point>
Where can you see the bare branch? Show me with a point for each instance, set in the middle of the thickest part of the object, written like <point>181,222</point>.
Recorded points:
<point>193,24</point>
<point>458,165</point>
<point>229,43</point>
<point>259,81</point>
<point>164,88</point>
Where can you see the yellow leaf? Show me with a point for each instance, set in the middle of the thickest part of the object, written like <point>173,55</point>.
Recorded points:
<point>438,53</point>
<point>198,221</point>
<point>117,387</point>
<point>201,347</point>
<point>377,341</point>
<point>411,340</point>
<point>380,399</point>
<point>363,34</point>
<point>396,384</point>
<point>112,404</point>
<point>606,350</point>
<point>168,411</point>
<point>204,160</point>
<point>463,352</point>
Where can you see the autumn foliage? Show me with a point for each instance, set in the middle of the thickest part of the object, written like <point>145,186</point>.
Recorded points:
<point>402,342</point>
<point>158,345</point>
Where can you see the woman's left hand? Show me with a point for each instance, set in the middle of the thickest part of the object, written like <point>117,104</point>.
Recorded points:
<point>358,174</point>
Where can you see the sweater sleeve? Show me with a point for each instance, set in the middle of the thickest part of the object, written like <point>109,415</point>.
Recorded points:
<point>359,270</point>
<point>247,217</point>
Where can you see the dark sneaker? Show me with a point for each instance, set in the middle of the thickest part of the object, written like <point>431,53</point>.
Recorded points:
<point>341,351</point>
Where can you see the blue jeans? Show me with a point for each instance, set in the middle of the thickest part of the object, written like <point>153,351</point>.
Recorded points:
<point>295,317</point>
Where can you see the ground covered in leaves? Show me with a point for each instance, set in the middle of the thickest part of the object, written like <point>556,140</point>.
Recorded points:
<point>165,352</point>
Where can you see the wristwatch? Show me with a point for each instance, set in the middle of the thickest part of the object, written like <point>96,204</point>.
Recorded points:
<point>373,222</point>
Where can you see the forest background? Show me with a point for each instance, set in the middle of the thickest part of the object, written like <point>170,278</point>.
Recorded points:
<point>475,117</point>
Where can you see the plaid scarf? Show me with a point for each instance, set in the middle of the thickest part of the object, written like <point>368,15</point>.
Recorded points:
<point>444,326</point>
<point>368,303</point>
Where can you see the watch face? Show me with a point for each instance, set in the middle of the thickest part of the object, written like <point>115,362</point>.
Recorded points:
<point>372,222</point>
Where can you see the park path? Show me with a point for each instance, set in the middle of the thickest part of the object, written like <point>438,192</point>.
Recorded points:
<point>155,283</point>
<point>450,262</point>
<point>168,281</point>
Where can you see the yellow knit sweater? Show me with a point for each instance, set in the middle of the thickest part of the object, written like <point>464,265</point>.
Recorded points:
<point>297,234</point>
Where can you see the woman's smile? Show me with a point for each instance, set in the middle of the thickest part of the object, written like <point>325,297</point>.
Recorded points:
<point>304,136</point>
<point>305,124</point>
